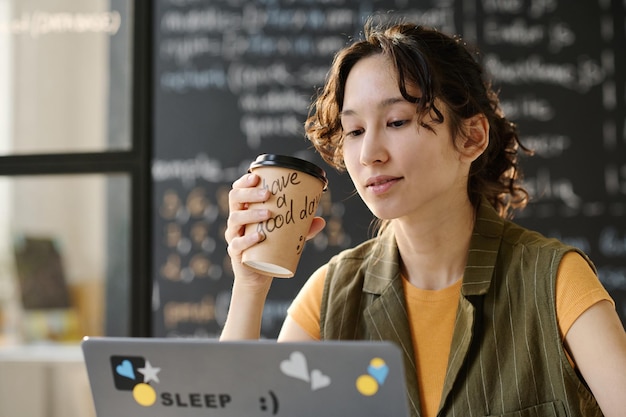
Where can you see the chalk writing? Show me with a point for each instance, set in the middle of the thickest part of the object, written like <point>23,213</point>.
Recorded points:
<point>613,277</point>
<point>615,179</point>
<point>609,135</point>
<point>275,101</point>
<point>209,19</point>
<point>256,128</point>
<point>184,50</point>
<point>612,242</point>
<point>560,36</point>
<point>201,312</point>
<point>246,77</point>
<point>441,17</point>
<point>185,80</point>
<point>545,187</point>
<point>539,8</point>
<point>546,145</point>
<point>531,70</point>
<point>528,107</point>
<point>562,84</point>
<point>503,6</point>
<point>188,171</point>
<point>519,32</point>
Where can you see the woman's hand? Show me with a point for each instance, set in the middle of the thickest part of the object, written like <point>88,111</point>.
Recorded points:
<point>241,196</point>
<point>249,288</point>
<point>241,213</point>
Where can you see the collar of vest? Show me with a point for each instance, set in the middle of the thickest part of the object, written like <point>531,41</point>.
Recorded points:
<point>384,264</point>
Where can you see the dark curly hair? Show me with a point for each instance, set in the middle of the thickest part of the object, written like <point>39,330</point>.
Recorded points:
<point>445,70</point>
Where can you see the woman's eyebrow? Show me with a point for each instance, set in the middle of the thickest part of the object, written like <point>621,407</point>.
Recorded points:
<point>391,101</point>
<point>381,105</point>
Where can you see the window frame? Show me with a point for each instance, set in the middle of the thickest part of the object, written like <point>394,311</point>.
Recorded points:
<point>136,163</point>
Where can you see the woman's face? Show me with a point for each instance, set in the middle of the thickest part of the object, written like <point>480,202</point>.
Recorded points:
<point>399,167</point>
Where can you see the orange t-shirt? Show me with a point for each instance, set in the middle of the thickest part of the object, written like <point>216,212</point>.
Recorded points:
<point>577,289</point>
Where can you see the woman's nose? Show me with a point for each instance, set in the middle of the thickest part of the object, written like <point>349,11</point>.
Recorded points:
<point>373,150</point>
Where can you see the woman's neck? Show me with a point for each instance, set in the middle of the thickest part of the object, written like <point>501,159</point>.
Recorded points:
<point>434,247</point>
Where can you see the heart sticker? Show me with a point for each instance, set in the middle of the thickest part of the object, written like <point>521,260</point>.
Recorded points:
<point>319,380</point>
<point>378,372</point>
<point>125,369</point>
<point>295,366</point>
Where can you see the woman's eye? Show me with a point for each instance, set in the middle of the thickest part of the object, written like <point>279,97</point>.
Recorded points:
<point>354,133</point>
<point>397,123</point>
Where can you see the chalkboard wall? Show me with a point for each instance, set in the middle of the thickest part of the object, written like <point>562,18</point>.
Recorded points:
<point>234,78</point>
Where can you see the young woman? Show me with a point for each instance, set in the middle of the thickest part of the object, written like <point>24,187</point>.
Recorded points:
<point>493,319</point>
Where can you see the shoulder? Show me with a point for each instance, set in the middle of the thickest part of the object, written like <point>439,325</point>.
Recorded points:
<point>518,238</point>
<point>506,236</point>
<point>515,234</point>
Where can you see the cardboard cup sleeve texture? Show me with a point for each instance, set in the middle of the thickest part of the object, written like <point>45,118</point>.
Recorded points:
<point>296,188</point>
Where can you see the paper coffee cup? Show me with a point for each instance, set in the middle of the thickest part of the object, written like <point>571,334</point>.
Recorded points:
<point>296,187</point>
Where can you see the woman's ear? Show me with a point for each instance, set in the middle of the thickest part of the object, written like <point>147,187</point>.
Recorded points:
<point>474,138</point>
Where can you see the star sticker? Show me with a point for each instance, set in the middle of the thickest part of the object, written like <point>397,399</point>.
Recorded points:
<point>149,372</point>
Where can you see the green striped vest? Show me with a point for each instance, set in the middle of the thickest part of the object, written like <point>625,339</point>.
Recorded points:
<point>507,357</point>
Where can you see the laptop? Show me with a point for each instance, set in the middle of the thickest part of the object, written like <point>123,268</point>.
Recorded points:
<point>166,377</point>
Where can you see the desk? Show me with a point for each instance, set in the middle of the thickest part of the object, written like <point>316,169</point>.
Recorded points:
<point>44,381</point>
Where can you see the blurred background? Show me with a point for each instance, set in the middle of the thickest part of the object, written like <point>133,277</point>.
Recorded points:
<point>124,122</point>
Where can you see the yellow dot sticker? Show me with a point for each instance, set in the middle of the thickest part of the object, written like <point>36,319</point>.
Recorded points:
<point>366,385</point>
<point>144,394</point>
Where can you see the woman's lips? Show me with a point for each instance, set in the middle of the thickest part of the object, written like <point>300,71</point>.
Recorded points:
<point>381,184</point>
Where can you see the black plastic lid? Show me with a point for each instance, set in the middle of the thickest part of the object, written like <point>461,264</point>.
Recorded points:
<point>268,159</point>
